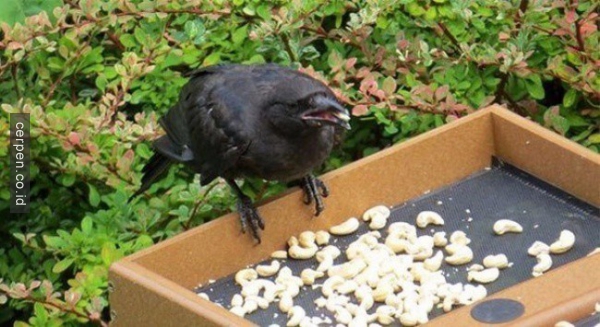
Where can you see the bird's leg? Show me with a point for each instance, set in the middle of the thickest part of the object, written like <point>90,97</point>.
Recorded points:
<point>311,186</point>
<point>247,212</point>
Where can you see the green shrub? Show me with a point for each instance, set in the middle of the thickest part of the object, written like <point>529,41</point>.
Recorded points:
<point>95,76</point>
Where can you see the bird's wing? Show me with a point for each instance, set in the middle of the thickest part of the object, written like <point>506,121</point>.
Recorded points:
<point>175,145</point>
<point>219,132</point>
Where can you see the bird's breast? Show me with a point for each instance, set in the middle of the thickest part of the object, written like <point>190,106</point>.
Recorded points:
<point>286,159</point>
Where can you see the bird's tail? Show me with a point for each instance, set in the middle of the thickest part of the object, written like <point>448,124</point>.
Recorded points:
<point>153,171</point>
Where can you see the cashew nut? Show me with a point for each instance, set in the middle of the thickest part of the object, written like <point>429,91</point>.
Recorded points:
<point>204,296</point>
<point>348,227</point>
<point>348,269</point>
<point>484,276</point>
<point>238,311</point>
<point>544,263</point>
<point>408,319</point>
<point>286,302</point>
<point>403,230</point>
<point>320,302</point>
<point>425,218</point>
<point>330,250</point>
<point>331,284</point>
<point>293,240</point>
<point>280,254</point>
<point>268,270</point>
<point>376,211</point>
<point>507,226</point>
<point>342,315</point>
<point>564,323</point>
<point>301,253</point>
<point>538,248</point>
<point>594,252</point>
<point>348,286</point>
<point>434,263</point>
<point>377,216</point>
<point>498,261</point>
<point>295,315</point>
<point>309,275</point>
<point>364,296</point>
<point>260,301</point>
<point>459,237</point>
<point>396,243</point>
<point>243,276</point>
<point>564,243</point>
<point>250,306</point>
<point>439,239</point>
<point>459,255</point>
<point>255,286</point>
<point>237,300</point>
<point>326,263</point>
<point>322,237</point>
<point>307,239</point>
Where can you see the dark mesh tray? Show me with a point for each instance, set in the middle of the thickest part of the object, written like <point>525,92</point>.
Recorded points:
<point>471,205</point>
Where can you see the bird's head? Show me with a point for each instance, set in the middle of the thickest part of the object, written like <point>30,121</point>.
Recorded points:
<point>321,109</point>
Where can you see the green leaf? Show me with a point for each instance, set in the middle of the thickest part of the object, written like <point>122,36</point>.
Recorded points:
<point>264,11</point>
<point>389,85</point>
<point>127,40</point>
<point>240,34</point>
<point>140,35</point>
<point>414,9</point>
<point>431,14</point>
<point>569,98</point>
<point>534,87</point>
<point>11,11</point>
<point>68,179</point>
<point>212,59</point>
<point>54,241</point>
<point>86,225</point>
<point>40,313</point>
<point>62,265</point>
<point>94,196</point>
<point>109,253</point>
<point>594,138</point>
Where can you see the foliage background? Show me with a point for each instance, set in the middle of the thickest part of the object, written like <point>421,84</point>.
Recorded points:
<point>96,74</point>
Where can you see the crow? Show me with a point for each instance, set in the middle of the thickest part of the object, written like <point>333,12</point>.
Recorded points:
<point>237,121</point>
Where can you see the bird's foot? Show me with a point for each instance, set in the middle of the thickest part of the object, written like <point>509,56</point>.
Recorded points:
<point>249,216</point>
<point>314,189</point>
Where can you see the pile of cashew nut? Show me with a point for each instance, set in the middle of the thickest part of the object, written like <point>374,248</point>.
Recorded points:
<point>387,275</point>
<point>541,251</point>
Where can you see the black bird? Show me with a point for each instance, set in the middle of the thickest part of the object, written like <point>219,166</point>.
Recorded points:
<point>235,121</point>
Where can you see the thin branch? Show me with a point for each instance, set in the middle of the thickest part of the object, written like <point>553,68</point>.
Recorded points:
<point>449,35</point>
<point>98,321</point>
<point>186,225</point>
<point>288,47</point>
<point>13,71</point>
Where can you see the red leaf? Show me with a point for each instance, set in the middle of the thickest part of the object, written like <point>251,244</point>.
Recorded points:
<point>503,36</point>
<point>350,63</point>
<point>588,28</point>
<point>74,138</point>
<point>570,16</point>
<point>360,110</point>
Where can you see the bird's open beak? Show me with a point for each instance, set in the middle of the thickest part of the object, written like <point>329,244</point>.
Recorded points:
<point>327,111</point>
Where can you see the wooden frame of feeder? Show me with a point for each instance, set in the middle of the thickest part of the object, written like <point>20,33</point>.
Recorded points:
<point>154,287</point>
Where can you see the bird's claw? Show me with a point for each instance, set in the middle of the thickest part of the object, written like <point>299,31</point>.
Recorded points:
<point>249,216</point>
<point>314,189</point>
